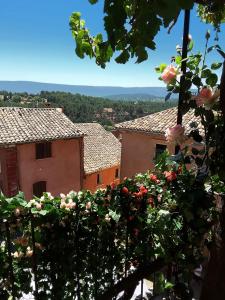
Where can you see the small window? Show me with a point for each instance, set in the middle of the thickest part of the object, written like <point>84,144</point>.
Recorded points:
<point>39,188</point>
<point>99,179</point>
<point>43,150</point>
<point>117,173</point>
<point>159,149</point>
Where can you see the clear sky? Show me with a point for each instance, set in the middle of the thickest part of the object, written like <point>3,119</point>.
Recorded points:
<point>36,45</point>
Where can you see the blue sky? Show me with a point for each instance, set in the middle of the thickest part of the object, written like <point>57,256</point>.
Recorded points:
<point>36,45</point>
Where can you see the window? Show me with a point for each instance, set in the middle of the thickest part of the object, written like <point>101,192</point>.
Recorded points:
<point>39,188</point>
<point>99,179</point>
<point>117,173</point>
<point>159,149</point>
<point>43,150</point>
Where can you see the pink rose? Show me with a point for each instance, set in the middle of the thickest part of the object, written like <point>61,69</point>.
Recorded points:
<point>88,205</point>
<point>175,134</point>
<point>38,206</point>
<point>170,175</point>
<point>169,74</point>
<point>206,97</point>
<point>17,212</point>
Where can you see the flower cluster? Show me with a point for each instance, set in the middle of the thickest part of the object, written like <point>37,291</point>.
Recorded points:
<point>175,134</point>
<point>207,97</point>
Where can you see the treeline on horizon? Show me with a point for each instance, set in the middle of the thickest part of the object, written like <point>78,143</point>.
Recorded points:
<point>80,108</point>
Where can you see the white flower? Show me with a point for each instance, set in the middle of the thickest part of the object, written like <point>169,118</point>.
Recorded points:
<point>80,194</point>
<point>50,196</point>
<point>72,194</point>
<point>33,201</point>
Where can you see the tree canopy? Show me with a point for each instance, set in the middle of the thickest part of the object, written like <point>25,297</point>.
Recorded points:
<point>131,27</point>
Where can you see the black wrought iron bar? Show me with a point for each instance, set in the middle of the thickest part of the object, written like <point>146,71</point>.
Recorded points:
<point>34,258</point>
<point>78,256</point>
<point>11,273</point>
<point>96,267</point>
<point>183,67</point>
<point>126,249</point>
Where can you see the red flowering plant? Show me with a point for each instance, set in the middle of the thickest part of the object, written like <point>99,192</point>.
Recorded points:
<point>102,236</point>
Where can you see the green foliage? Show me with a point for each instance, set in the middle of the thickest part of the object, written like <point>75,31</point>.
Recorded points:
<point>82,237</point>
<point>210,133</point>
<point>131,27</point>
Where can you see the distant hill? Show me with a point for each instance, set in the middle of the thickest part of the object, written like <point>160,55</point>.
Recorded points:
<point>96,91</point>
<point>135,97</point>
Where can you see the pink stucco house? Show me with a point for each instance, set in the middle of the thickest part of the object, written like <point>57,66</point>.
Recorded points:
<point>144,138</point>
<point>40,150</point>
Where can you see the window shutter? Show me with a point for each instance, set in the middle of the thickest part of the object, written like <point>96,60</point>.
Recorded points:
<point>39,188</point>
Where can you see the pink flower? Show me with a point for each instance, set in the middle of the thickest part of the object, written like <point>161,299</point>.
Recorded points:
<point>38,206</point>
<point>29,252</point>
<point>206,97</point>
<point>169,74</point>
<point>170,176</point>
<point>88,205</point>
<point>17,212</point>
<point>175,134</point>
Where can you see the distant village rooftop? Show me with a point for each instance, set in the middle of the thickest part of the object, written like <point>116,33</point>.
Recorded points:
<point>28,125</point>
<point>157,123</point>
<point>101,148</point>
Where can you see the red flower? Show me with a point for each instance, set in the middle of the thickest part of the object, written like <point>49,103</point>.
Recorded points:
<point>151,202</point>
<point>125,190</point>
<point>153,178</point>
<point>170,175</point>
<point>143,190</point>
<point>130,218</point>
<point>138,194</point>
<point>112,185</point>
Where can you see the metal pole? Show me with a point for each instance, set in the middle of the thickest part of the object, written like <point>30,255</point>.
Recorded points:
<point>34,258</point>
<point>183,67</point>
<point>11,272</point>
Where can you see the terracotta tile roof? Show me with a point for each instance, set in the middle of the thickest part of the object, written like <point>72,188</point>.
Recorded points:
<point>102,149</point>
<point>27,125</point>
<point>157,123</point>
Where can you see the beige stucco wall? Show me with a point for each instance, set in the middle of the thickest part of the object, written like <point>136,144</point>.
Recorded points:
<point>62,171</point>
<point>138,152</point>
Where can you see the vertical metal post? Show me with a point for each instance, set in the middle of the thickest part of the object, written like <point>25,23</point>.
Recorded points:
<point>142,288</point>
<point>11,274</point>
<point>183,67</point>
<point>126,249</point>
<point>95,232</point>
<point>77,237</point>
<point>34,258</point>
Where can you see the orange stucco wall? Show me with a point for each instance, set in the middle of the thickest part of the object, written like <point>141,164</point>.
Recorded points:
<point>138,152</point>
<point>62,171</point>
<point>107,176</point>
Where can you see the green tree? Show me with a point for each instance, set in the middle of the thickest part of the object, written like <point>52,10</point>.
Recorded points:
<point>131,27</point>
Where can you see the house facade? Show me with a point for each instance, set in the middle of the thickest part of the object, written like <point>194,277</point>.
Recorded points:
<point>143,139</point>
<point>40,150</point>
<point>102,156</point>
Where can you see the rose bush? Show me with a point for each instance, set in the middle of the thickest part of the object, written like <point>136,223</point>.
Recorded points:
<point>88,240</point>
